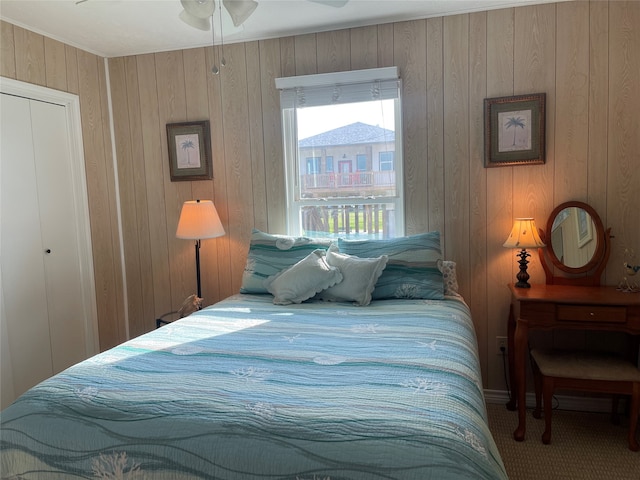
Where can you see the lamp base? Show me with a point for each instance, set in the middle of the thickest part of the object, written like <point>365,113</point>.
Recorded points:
<point>523,276</point>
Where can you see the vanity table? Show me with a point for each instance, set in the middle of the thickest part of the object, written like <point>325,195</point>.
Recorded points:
<point>573,300</point>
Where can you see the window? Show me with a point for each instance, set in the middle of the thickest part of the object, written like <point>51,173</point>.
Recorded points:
<point>354,117</point>
<point>386,161</point>
<point>329,164</point>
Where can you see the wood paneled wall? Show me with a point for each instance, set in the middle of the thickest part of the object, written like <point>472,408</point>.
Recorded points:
<point>32,58</point>
<point>582,54</point>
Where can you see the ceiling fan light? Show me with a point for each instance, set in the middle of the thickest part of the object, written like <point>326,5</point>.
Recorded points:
<point>199,8</point>
<point>195,22</point>
<point>240,10</point>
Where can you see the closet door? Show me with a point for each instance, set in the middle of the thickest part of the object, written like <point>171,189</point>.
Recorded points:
<point>23,280</point>
<point>41,281</point>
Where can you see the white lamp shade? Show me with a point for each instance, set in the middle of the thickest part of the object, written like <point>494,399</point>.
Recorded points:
<point>240,10</point>
<point>524,234</point>
<point>199,8</point>
<point>198,220</point>
<point>195,22</point>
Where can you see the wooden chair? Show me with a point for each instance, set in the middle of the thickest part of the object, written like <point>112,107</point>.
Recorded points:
<point>586,371</point>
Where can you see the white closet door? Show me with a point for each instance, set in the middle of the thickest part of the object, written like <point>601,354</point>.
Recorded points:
<point>23,279</point>
<point>59,234</point>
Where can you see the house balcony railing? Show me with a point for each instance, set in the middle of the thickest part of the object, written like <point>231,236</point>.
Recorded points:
<point>328,181</point>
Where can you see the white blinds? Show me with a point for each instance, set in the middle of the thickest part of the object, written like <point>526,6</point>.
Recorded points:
<point>340,87</point>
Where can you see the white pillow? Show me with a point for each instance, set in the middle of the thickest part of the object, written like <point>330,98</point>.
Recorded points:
<point>302,280</point>
<point>359,277</point>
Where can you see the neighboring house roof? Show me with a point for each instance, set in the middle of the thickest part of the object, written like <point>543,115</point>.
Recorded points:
<point>349,135</point>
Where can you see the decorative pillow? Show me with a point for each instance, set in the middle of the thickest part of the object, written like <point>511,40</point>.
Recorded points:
<point>412,270</point>
<point>303,280</point>
<point>359,277</point>
<point>448,269</point>
<point>272,253</point>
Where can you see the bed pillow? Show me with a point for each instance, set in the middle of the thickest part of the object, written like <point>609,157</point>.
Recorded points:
<point>271,253</point>
<point>359,277</point>
<point>412,270</point>
<point>303,280</point>
<point>449,278</point>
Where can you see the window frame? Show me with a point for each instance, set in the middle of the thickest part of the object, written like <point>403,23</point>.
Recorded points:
<point>293,201</point>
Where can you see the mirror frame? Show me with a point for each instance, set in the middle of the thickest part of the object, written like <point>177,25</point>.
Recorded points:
<point>599,234</point>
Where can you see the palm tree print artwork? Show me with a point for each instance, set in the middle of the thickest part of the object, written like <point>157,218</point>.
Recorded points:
<point>514,131</point>
<point>188,151</point>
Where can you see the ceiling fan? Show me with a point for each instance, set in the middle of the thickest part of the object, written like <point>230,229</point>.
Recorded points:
<point>197,13</point>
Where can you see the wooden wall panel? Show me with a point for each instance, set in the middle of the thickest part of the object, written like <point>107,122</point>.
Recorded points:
<point>500,192</point>
<point>334,51</point>
<point>456,143</point>
<point>220,259</point>
<point>582,54</point>
<point>7,51</point>
<point>155,170</point>
<point>624,134</point>
<point>55,64</point>
<point>364,47</point>
<point>598,101</point>
<point>29,56</point>
<point>238,163</point>
<point>410,56</point>
<point>477,267</point>
<point>572,103</point>
<point>271,61</point>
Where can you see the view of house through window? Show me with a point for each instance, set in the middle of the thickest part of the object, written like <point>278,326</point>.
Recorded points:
<point>344,163</point>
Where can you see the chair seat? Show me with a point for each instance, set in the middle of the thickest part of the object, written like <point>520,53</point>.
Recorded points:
<point>587,371</point>
<point>585,365</point>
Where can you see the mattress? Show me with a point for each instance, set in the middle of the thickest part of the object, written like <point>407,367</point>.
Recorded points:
<point>245,389</point>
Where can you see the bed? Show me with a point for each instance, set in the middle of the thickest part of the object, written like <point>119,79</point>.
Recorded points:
<point>248,389</point>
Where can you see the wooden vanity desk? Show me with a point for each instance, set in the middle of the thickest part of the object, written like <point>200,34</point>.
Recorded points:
<point>576,254</point>
<point>565,307</point>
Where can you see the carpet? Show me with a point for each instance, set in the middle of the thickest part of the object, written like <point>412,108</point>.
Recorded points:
<point>583,446</point>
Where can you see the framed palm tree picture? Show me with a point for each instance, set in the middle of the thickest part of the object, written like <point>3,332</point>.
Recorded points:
<point>189,151</point>
<point>514,130</point>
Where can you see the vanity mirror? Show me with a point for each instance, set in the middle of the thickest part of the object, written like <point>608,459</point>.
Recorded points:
<point>577,244</point>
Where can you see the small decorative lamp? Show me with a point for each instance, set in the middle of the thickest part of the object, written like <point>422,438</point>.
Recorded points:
<point>199,220</point>
<point>524,234</point>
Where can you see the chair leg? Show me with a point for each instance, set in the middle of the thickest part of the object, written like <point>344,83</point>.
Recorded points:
<point>547,392</point>
<point>633,416</point>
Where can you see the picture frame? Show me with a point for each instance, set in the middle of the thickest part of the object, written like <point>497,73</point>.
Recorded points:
<point>514,130</point>
<point>189,151</point>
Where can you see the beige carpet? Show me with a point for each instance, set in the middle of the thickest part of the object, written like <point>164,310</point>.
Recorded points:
<point>583,446</point>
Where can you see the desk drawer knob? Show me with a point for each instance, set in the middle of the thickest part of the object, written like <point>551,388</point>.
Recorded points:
<point>592,314</point>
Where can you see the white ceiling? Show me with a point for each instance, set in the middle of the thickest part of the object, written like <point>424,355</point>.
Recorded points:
<point>114,28</point>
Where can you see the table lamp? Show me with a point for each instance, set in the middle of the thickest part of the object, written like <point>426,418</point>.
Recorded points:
<point>524,234</point>
<point>199,220</point>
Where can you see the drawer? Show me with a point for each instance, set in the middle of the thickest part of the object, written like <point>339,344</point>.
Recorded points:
<point>592,313</point>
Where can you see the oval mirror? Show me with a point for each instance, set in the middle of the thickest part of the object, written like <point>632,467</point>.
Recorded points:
<point>575,237</point>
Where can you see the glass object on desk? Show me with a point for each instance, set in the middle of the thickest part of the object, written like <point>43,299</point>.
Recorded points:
<point>630,275</point>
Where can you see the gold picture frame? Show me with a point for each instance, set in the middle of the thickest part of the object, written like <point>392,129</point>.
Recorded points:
<point>514,130</point>
<point>189,151</point>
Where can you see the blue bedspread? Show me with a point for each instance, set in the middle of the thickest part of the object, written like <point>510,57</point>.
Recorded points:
<point>248,390</point>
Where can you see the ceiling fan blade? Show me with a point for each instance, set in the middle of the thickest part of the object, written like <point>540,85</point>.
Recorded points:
<point>199,8</point>
<point>240,10</point>
<point>331,3</point>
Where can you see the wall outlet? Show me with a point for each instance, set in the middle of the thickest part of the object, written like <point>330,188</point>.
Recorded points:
<point>501,345</point>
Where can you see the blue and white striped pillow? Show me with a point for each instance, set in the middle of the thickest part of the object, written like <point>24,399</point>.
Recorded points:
<point>271,253</point>
<point>412,270</point>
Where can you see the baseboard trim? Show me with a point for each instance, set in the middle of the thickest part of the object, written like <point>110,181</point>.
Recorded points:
<point>564,402</point>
